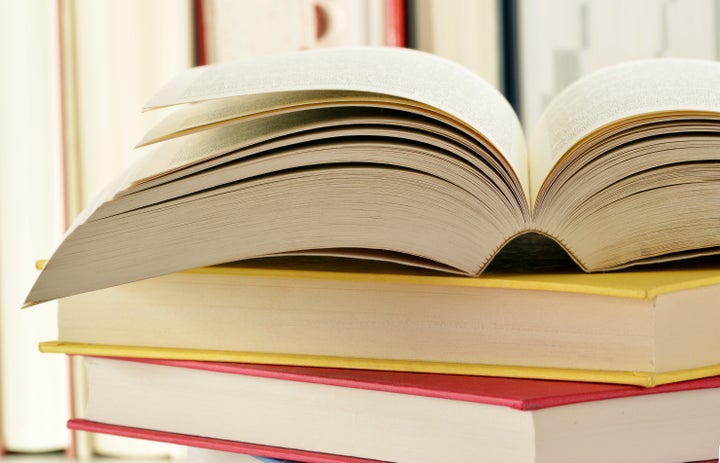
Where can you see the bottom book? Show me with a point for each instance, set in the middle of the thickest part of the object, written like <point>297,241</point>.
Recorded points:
<point>210,450</point>
<point>405,417</point>
<point>200,455</point>
<point>203,450</point>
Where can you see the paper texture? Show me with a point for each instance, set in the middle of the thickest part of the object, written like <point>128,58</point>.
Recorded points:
<point>616,94</point>
<point>408,74</point>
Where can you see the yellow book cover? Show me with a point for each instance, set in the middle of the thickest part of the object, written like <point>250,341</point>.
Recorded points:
<point>637,378</point>
<point>643,327</point>
<point>641,283</point>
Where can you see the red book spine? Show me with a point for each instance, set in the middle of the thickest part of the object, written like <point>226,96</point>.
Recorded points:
<point>395,34</point>
<point>201,49</point>
<point>215,444</point>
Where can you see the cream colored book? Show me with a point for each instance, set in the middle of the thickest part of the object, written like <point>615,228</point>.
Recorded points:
<point>400,155</point>
<point>634,327</point>
<point>34,389</point>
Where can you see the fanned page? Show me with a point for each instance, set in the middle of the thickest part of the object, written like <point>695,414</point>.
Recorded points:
<point>201,133</point>
<point>401,73</point>
<point>367,152</point>
<point>337,151</point>
<point>614,95</point>
<point>201,115</point>
<point>625,164</point>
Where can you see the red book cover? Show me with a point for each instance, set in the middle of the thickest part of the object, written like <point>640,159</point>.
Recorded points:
<point>263,417</point>
<point>223,445</point>
<point>521,394</point>
<point>214,444</point>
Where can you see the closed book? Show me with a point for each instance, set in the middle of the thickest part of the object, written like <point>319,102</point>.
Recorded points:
<point>196,444</point>
<point>206,450</point>
<point>202,455</point>
<point>408,417</point>
<point>637,327</point>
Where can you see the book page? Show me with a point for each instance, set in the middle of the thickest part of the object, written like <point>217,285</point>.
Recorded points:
<point>615,94</point>
<point>398,72</point>
<point>199,115</point>
<point>215,140</point>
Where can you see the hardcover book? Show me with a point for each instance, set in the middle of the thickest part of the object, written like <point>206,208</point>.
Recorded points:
<point>408,417</point>
<point>207,450</point>
<point>638,327</point>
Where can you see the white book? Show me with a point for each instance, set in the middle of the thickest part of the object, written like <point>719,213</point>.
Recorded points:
<point>35,388</point>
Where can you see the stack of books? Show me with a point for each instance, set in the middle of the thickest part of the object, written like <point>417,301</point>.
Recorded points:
<point>349,255</point>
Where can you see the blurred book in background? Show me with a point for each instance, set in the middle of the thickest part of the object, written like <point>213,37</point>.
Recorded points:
<point>35,394</point>
<point>107,72</point>
<point>84,69</point>
<point>465,31</point>
<point>562,40</point>
<point>228,30</point>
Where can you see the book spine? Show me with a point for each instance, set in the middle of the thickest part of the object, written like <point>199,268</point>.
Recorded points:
<point>201,48</point>
<point>396,30</point>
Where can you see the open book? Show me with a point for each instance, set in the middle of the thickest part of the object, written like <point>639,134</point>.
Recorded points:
<point>388,153</point>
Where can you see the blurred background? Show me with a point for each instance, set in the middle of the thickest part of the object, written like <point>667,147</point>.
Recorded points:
<point>75,74</point>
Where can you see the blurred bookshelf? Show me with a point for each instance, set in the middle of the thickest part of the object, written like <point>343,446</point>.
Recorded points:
<point>84,79</point>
